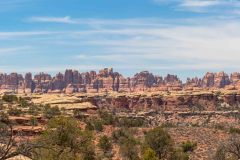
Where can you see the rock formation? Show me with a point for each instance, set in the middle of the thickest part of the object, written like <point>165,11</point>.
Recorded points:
<point>107,80</point>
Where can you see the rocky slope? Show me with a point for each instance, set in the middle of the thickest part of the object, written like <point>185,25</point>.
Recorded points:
<point>107,80</point>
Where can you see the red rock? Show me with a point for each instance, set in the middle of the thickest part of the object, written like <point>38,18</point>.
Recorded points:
<point>107,80</point>
<point>221,79</point>
<point>70,89</point>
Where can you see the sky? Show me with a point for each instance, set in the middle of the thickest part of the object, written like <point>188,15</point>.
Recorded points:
<point>183,37</point>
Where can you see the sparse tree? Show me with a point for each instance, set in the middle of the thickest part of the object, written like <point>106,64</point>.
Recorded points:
<point>105,144</point>
<point>63,139</point>
<point>50,112</point>
<point>128,144</point>
<point>160,141</point>
<point>231,149</point>
<point>128,148</point>
<point>13,144</point>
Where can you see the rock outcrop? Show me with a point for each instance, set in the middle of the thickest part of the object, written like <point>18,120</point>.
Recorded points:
<point>107,80</point>
<point>221,80</point>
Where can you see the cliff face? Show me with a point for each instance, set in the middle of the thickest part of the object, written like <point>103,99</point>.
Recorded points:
<point>186,102</point>
<point>108,80</point>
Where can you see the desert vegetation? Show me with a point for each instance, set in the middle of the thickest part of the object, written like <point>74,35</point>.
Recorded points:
<point>46,131</point>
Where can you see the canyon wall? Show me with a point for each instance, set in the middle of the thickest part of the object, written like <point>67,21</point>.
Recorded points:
<point>107,80</point>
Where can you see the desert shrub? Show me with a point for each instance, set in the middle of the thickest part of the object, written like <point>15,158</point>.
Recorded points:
<point>4,117</point>
<point>33,110</point>
<point>14,111</point>
<point>149,154</point>
<point>130,122</point>
<point>233,130</point>
<point>160,141</point>
<point>9,98</point>
<point>220,153</point>
<point>50,112</point>
<point>33,121</point>
<point>94,124</point>
<point>119,134</point>
<point>89,126</point>
<point>108,118</point>
<point>168,125</point>
<point>178,154</point>
<point>128,144</point>
<point>63,139</point>
<point>105,144</point>
<point>128,148</point>
<point>22,102</point>
<point>78,114</point>
<point>63,110</point>
<point>188,146</point>
<point>230,149</point>
<point>98,125</point>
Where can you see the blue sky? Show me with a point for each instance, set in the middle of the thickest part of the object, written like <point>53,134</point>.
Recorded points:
<point>184,37</point>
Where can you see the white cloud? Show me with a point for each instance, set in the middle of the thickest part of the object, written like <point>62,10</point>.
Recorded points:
<point>5,35</point>
<point>65,19</point>
<point>81,56</point>
<point>8,5</point>
<point>200,3</point>
<point>196,44</point>
<point>217,6</point>
<point>190,47</point>
<point>48,69</point>
<point>13,50</point>
<point>99,23</point>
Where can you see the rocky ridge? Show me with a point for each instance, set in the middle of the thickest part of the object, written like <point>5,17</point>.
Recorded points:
<point>107,80</point>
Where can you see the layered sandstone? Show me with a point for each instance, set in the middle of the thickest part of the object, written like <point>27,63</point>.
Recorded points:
<point>107,80</point>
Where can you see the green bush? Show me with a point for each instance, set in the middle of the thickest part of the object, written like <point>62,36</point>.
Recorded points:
<point>33,110</point>
<point>160,141</point>
<point>94,124</point>
<point>98,126</point>
<point>14,112</point>
<point>149,154</point>
<point>130,122</point>
<point>4,117</point>
<point>230,149</point>
<point>188,146</point>
<point>22,102</point>
<point>168,125</point>
<point>50,112</point>
<point>120,134</point>
<point>9,98</point>
<point>178,154</point>
<point>108,118</point>
<point>233,130</point>
<point>105,144</point>
<point>78,114</point>
<point>63,139</point>
<point>129,149</point>
<point>89,126</point>
<point>128,144</point>
<point>33,121</point>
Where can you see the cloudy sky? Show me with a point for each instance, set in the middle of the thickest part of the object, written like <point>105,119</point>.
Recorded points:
<point>184,37</point>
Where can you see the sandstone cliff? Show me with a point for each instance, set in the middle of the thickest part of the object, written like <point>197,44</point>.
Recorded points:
<point>107,80</point>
